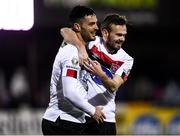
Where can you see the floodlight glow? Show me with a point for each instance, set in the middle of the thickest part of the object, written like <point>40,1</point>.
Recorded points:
<point>16,14</point>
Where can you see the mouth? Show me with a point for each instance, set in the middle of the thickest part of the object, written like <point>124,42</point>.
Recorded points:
<point>93,33</point>
<point>118,44</point>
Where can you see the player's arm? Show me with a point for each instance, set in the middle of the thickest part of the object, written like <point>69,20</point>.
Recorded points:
<point>111,84</point>
<point>71,92</point>
<point>71,89</point>
<point>74,91</point>
<point>70,37</point>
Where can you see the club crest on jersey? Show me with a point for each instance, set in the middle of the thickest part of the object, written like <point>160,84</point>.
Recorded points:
<point>114,68</point>
<point>75,61</point>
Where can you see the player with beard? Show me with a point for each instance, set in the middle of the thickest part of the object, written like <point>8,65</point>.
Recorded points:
<point>109,66</point>
<point>65,114</point>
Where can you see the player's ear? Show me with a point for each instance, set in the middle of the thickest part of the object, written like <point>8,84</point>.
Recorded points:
<point>76,27</point>
<point>105,34</point>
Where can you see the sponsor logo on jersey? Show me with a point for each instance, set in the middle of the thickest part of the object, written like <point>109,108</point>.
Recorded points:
<point>72,67</point>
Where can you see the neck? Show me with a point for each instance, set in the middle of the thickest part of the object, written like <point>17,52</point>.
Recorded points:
<point>80,38</point>
<point>109,50</point>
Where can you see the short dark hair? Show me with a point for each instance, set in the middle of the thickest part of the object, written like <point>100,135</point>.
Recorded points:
<point>113,19</point>
<point>79,12</point>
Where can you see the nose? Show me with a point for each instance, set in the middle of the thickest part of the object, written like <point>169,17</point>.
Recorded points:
<point>122,38</point>
<point>96,27</point>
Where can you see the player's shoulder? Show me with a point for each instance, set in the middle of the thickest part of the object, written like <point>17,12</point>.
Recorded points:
<point>66,50</point>
<point>96,42</point>
<point>125,55</point>
<point>66,47</point>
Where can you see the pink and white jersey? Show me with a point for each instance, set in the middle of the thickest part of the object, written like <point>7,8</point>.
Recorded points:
<point>67,93</point>
<point>119,63</point>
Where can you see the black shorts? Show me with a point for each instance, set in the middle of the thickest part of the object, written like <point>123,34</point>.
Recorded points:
<point>105,128</point>
<point>61,127</point>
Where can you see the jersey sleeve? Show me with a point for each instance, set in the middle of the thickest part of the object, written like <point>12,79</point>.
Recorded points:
<point>72,88</point>
<point>125,69</point>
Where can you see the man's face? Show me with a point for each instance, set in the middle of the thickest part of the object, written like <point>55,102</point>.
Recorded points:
<point>116,37</point>
<point>89,28</point>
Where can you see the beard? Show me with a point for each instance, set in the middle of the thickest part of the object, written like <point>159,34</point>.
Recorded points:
<point>112,47</point>
<point>88,37</point>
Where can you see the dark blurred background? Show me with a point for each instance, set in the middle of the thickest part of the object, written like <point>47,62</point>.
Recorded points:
<point>26,57</point>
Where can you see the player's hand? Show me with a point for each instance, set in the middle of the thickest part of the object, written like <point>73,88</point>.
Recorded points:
<point>99,115</point>
<point>68,35</point>
<point>93,67</point>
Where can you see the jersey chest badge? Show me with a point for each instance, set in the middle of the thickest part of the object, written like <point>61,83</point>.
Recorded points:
<point>75,61</point>
<point>114,68</point>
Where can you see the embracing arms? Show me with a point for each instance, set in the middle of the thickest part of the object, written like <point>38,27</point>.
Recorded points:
<point>111,84</point>
<point>70,37</point>
<point>92,66</point>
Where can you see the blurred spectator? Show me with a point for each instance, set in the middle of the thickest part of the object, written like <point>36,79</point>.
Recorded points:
<point>41,96</point>
<point>143,89</point>
<point>4,97</point>
<point>171,95</point>
<point>19,87</point>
